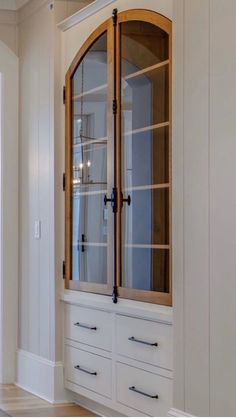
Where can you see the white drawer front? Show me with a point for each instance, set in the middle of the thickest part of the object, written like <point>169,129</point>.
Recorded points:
<point>88,326</point>
<point>144,341</point>
<point>88,370</point>
<point>138,389</point>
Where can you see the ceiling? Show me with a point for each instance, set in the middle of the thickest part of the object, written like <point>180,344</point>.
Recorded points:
<point>12,4</point>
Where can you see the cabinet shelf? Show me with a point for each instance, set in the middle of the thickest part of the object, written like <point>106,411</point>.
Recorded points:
<point>148,128</point>
<point>90,92</point>
<point>147,187</point>
<point>128,77</point>
<point>102,140</point>
<point>127,245</point>
<point>146,70</point>
<point>91,244</point>
<point>131,189</point>
<point>147,246</point>
<point>85,193</point>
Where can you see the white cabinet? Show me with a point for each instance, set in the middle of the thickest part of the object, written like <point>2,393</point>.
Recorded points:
<point>119,355</point>
<point>88,326</point>
<point>149,393</point>
<point>145,341</point>
<point>88,370</point>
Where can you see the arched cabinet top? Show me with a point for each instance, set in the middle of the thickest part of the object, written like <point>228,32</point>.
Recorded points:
<point>85,47</point>
<point>129,15</point>
<point>146,16</point>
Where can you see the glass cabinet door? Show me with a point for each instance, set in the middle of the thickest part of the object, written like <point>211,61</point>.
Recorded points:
<point>145,160</point>
<point>89,174</point>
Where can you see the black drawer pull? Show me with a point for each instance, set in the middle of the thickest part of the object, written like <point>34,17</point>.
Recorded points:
<point>142,393</point>
<point>77,367</point>
<point>85,326</point>
<point>133,339</point>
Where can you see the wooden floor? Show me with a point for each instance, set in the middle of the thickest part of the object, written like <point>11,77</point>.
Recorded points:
<point>17,402</point>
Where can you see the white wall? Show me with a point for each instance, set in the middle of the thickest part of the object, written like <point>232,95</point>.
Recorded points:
<point>9,70</point>
<point>40,323</point>
<point>204,176</point>
<point>8,29</point>
<point>41,168</point>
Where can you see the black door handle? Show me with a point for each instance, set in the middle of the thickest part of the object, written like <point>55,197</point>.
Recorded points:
<point>128,199</point>
<point>77,367</point>
<point>85,326</point>
<point>133,388</point>
<point>112,200</point>
<point>143,342</point>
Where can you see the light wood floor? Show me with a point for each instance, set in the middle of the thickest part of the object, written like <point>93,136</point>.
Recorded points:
<point>17,402</point>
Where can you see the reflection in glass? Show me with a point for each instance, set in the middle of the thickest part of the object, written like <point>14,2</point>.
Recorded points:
<point>89,153</point>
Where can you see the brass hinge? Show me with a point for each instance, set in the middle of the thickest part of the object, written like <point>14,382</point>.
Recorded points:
<point>63,269</point>
<point>64,182</point>
<point>64,95</point>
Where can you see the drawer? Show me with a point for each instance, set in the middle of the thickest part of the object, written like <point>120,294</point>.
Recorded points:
<point>88,370</point>
<point>149,393</point>
<point>88,326</point>
<point>144,341</point>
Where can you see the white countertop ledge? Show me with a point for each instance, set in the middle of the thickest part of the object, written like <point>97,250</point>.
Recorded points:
<point>83,14</point>
<point>153,312</point>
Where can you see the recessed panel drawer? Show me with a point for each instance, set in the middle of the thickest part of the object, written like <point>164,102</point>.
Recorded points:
<point>88,370</point>
<point>88,326</point>
<point>146,392</point>
<point>144,341</point>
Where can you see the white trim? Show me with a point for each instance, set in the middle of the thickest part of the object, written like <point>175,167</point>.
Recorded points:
<point>94,407</point>
<point>41,377</point>
<point>84,13</point>
<point>175,413</point>
<point>153,312</point>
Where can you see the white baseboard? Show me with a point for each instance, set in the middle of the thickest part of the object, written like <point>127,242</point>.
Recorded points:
<point>94,407</point>
<point>177,413</point>
<point>41,377</point>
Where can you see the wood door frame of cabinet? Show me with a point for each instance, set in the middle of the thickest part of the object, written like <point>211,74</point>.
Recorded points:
<point>165,24</point>
<point>104,27</point>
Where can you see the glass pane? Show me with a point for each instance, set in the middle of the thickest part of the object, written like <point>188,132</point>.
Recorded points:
<point>90,265</point>
<point>146,220</point>
<point>94,67</point>
<point>89,152</point>
<point>90,166</point>
<point>145,156</point>
<point>143,45</point>
<point>145,100</point>
<point>146,269</point>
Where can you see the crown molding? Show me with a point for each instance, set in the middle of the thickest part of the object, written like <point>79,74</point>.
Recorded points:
<point>84,13</point>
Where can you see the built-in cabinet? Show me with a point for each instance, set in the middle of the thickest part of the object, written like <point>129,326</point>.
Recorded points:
<point>120,357</point>
<point>118,160</point>
<point>118,216</point>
